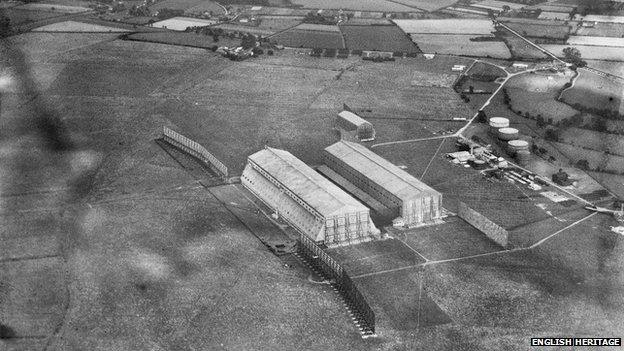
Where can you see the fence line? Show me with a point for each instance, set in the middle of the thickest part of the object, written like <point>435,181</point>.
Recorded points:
<point>492,230</point>
<point>330,268</point>
<point>195,149</point>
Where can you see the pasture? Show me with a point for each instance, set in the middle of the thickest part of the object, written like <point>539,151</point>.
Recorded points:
<point>612,143</point>
<point>318,27</point>
<point>377,38</point>
<point>278,23</point>
<point>592,91</point>
<point>496,5</point>
<point>73,26</point>
<point>181,23</point>
<point>184,39</point>
<point>589,52</point>
<point>611,67</point>
<point>426,5</point>
<point>540,31</point>
<point>354,5</point>
<point>445,26</point>
<point>596,41</point>
<point>601,29</point>
<point>460,45</point>
<point>309,39</point>
<point>52,7</point>
<point>19,17</point>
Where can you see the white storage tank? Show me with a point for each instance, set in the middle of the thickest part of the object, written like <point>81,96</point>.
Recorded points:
<point>499,122</point>
<point>518,145</point>
<point>523,157</point>
<point>507,134</point>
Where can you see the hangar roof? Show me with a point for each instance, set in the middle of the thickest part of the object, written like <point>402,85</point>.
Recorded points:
<point>311,187</point>
<point>380,171</point>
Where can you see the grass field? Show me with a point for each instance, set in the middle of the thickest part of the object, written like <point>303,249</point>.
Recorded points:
<point>375,256</point>
<point>33,295</point>
<point>183,5</point>
<point>597,41</point>
<point>446,26</point>
<point>497,5</point>
<point>537,94</point>
<point>595,92</point>
<point>520,49</point>
<point>590,139</point>
<point>277,23</point>
<point>612,67</point>
<point>80,27</point>
<point>602,30</point>
<point>395,95</point>
<point>460,45</point>
<point>52,7</point>
<point>426,5</point>
<point>540,31</point>
<point>309,39</point>
<point>181,23</point>
<point>355,5</point>
<point>19,17</point>
<point>597,159</point>
<point>184,39</point>
<point>452,239</point>
<point>379,38</point>
<point>204,6</point>
<point>589,52</point>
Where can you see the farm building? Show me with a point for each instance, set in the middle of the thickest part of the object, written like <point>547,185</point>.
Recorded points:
<point>310,203</point>
<point>354,127</point>
<point>411,199</point>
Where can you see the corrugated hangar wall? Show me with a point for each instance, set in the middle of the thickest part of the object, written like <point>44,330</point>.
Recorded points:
<point>350,224</point>
<point>420,207</point>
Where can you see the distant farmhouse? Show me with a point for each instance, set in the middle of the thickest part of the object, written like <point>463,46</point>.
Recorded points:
<point>353,127</point>
<point>412,200</point>
<point>306,200</point>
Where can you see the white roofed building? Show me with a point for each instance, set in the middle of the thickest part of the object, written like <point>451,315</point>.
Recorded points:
<point>413,200</point>
<point>309,202</point>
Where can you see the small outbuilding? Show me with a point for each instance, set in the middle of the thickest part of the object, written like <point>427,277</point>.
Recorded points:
<point>353,127</point>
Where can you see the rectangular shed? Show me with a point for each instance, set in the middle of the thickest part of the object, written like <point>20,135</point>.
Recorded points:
<point>414,201</point>
<point>354,127</point>
<point>309,202</point>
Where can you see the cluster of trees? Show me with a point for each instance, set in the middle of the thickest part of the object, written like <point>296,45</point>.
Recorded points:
<point>573,56</point>
<point>317,18</point>
<point>5,25</point>
<point>165,13</point>
<point>139,11</point>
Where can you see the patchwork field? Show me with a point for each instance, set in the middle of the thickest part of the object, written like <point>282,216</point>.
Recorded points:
<point>612,143</point>
<point>355,5</point>
<point>309,39</point>
<point>460,45</point>
<point>592,91</point>
<point>426,5</point>
<point>377,38</point>
<point>446,26</point>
